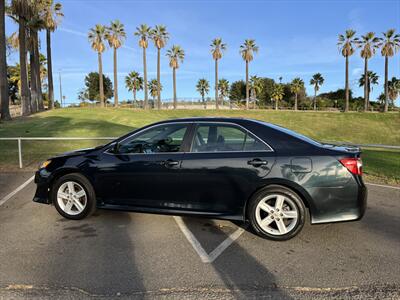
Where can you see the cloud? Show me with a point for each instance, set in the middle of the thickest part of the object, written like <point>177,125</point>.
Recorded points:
<point>356,71</point>
<point>354,17</point>
<point>74,32</point>
<point>83,34</point>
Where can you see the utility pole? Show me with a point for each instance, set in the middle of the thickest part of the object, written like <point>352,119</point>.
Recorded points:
<point>61,96</point>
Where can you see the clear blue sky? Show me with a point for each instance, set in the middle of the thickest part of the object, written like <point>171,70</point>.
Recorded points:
<point>296,38</point>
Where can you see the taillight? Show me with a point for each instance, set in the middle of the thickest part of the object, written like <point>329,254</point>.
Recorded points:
<point>354,165</point>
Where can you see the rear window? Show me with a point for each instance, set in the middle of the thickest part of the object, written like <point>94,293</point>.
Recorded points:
<point>294,134</point>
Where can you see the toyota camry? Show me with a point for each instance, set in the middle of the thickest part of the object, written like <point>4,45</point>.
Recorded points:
<point>226,168</point>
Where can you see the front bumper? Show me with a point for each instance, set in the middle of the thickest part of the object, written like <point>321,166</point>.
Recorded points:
<point>42,187</point>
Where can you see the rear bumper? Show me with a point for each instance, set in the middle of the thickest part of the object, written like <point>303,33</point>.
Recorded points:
<point>42,187</point>
<point>343,204</point>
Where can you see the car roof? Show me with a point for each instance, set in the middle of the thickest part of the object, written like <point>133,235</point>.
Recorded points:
<point>209,119</point>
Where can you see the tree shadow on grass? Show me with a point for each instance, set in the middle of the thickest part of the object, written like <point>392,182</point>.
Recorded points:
<point>67,126</point>
<point>33,152</point>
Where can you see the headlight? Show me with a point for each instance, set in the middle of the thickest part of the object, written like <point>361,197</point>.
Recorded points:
<point>45,164</point>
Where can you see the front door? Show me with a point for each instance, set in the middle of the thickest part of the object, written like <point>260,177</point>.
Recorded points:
<point>145,169</point>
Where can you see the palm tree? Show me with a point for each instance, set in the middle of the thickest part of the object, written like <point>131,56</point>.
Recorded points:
<point>223,88</point>
<point>35,23</point>
<point>393,89</point>
<point>203,87</point>
<point>134,83</point>
<point>247,51</point>
<point>369,43</point>
<point>317,80</point>
<point>372,78</point>
<point>347,44</point>
<point>52,17</point>
<point>154,87</point>
<point>217,47</point>
<point>4,101</point>
<point>256,86</point>
<point>97,36</point>
<point>390,44</point>
<point>296,87</point>
<point>175,55</point>
<point>20,12</point>
<point>160,37</point>
<point>43,72</point>
<point>143,32</point>
<point>116,36</point>
<point>277,94</point>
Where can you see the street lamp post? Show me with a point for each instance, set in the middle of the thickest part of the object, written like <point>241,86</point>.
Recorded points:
<point>61,95</point>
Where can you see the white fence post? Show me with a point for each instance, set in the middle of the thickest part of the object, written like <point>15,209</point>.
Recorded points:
<point>20,153</point>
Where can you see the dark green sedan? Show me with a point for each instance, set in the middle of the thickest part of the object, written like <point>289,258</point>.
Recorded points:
<point>228,168</point>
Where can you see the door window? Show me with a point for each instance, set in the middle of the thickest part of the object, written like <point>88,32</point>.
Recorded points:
<point>162,138</point>
<point>225,138</point>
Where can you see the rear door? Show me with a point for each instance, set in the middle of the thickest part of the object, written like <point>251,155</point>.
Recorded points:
<point>223,167</point>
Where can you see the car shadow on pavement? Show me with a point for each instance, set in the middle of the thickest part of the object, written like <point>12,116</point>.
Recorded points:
<point>240,272</point>
<point>383,222</point>
<point>96,255</point>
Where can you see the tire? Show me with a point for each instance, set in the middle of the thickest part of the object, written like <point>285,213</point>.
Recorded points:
<point>276,221</point>
<point>79,203</point>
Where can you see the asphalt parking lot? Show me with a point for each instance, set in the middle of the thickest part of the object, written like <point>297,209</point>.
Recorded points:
<point>133,255</point>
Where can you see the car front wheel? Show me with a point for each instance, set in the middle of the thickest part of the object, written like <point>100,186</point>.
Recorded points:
<point>277,213</point>
<point>73,196</point>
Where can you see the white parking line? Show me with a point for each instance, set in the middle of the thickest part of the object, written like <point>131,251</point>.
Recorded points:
<point>207,258</point>
<point>384,186</point>
<point>10,195</point>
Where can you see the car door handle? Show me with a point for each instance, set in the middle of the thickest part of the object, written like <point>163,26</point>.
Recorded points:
<point>256,162</point>
<point>170,163</point>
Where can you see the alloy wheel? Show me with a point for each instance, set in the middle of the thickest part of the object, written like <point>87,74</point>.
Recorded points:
<point>71,198</point>
<point>277,214</point>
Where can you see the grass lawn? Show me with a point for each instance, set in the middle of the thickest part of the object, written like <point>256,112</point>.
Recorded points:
<point>382,165</point>
<point>361,128</point>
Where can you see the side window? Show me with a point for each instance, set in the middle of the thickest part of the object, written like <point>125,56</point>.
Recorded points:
<point>163,138</point>
<point>225,138</point>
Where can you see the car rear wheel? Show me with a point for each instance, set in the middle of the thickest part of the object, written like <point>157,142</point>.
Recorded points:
<point>277,213</point>
<point>73,196</point>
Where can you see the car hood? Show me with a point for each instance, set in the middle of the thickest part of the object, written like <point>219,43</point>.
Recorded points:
<point>78,152</point>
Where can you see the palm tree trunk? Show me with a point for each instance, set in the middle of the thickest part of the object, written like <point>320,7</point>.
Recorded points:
<point>295,101</point>
<point>276,104</point>
<point>33,82</point>
<point>25,95</point>
<point>49,70</point>
<point>101,86</point>
<point>386,84</point>
<point>216,85</point>
<point>115,79</point>
<point>247,84</point>
<point>134,95</point>
<point>204,102</point>
<point>146,100</point>
<point>40,105</point>
<point>158,79</point>
<point>346,106</point>
<point>366,84</point>
<point>174,82</point>
<point>4,100</point>
<point>315,99</point>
